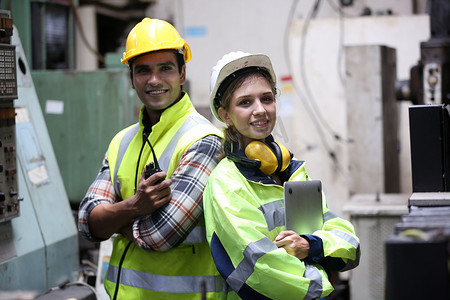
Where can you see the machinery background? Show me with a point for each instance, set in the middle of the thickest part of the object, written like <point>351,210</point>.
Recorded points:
<point>9,199</point>
<point>363,86</point>
<point>422,238</point>
<point>39,245</point>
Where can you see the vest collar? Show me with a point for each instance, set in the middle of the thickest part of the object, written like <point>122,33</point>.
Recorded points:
<point>169,116</point>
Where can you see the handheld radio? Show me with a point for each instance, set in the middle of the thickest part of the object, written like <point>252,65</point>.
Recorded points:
<point>152,167</point>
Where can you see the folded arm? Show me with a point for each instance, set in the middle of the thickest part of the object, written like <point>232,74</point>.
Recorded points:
<point>169,226</point>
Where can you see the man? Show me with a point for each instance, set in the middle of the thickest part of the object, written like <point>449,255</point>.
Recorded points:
<point>160,251</point>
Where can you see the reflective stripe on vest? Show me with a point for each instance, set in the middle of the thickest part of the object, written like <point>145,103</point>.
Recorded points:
<point>329,216</point>
<point>346,237</point>
<point>352,241</point>
<point>126,140</point>
<point>273,213</point>
<point>166,284</point>
<point>167,154</point>
<point>257,249</point>
<point>313,273</point>
<point>252,253</point>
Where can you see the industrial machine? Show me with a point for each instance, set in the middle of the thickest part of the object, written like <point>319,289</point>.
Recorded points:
<point>9,198</point>
<point>38,235</point>
<point>418,254</point>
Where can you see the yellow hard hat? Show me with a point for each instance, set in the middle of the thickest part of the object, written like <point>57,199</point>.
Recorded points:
<point>153,35</point>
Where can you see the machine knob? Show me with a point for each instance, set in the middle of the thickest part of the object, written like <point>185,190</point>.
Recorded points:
<point>433,80</point>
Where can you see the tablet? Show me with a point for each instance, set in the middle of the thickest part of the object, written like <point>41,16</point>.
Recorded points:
<point>303,206</point>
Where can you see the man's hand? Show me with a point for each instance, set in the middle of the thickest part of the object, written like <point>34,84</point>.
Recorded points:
<point>152,193</point>
<point>106,219</point>
<point>293,244</point>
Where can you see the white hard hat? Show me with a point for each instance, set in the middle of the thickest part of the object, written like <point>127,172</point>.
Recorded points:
<point>228,65</point>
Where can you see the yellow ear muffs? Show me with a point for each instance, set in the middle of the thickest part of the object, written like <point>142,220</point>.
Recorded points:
<point>273,158</point>
<point>259,151</point>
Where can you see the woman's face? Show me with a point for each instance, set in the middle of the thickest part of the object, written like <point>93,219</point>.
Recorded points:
<point>252,109</point>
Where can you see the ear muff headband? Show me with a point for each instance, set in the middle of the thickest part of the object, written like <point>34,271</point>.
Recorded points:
<point>278,154</point>
<point>244,160</point>
<point>284,158</point>
<point>240,159</point>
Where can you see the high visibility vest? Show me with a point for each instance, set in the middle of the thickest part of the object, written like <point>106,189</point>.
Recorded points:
<point>184,272</point>
<point>244,216</point>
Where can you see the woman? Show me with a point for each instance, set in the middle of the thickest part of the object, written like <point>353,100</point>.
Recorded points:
<point>249,242</point>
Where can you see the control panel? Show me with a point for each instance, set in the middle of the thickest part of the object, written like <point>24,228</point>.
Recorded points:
<point>8,75</point>
<point>9,197</point>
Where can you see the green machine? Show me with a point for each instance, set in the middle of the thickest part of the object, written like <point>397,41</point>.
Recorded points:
<point>38,234</point>
<point>83,111</point>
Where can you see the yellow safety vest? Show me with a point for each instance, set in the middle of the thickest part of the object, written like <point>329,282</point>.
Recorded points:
<point>244,216</point>
<point>184,272</point>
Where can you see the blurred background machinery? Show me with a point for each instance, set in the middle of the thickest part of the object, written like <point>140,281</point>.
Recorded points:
<point>418,254</point>
<point>9,198</point>
<point>38,235</point>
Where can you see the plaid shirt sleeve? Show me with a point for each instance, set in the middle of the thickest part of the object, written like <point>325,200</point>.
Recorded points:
<point>100,191</point>
<point>169,226</point>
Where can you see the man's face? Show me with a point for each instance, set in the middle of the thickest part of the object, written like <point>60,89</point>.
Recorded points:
<point>156,79</point>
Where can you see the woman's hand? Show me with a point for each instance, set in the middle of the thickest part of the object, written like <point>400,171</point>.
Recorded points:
<point>293,244</point>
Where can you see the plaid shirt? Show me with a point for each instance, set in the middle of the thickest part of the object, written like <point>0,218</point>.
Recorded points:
<point>168,226</point>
